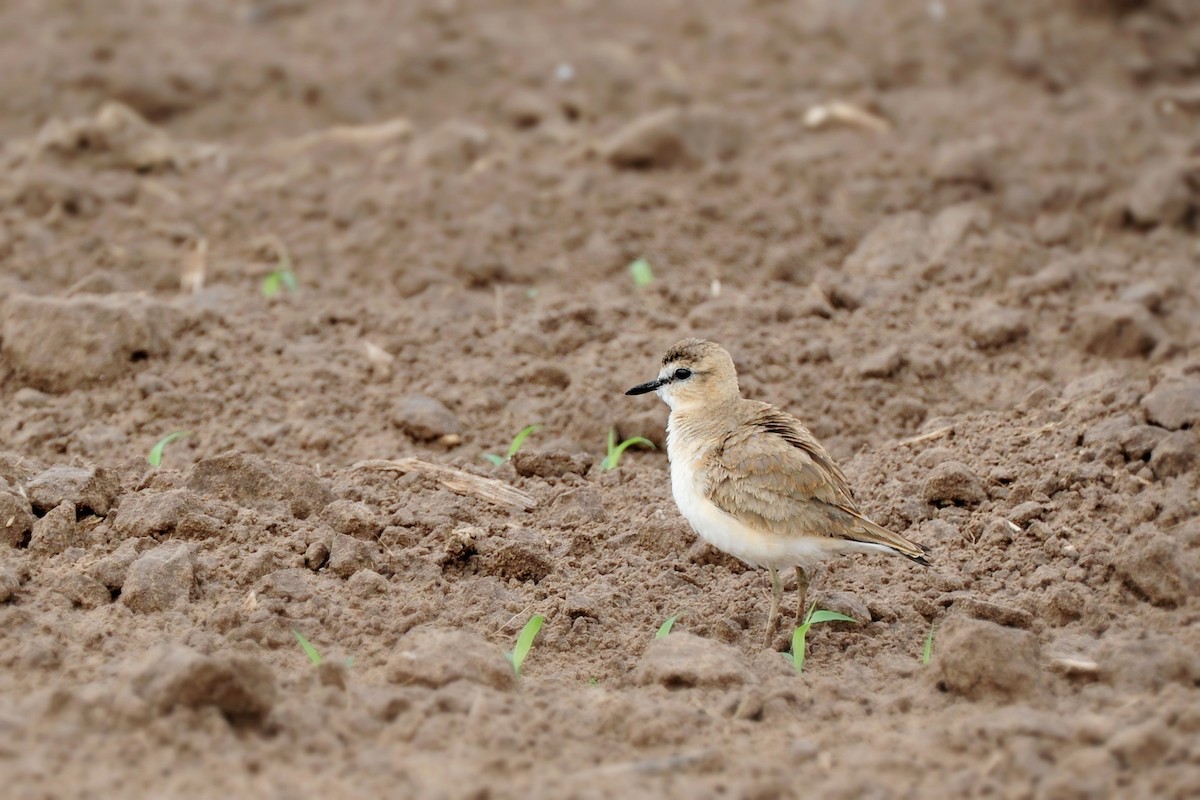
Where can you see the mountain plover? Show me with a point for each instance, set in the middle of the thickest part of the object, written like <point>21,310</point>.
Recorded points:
<point>752,480</point>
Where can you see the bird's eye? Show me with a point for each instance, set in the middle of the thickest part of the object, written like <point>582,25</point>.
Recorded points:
<point>682,374</point>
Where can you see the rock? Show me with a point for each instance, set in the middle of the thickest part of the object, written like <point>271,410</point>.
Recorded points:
<point>675,137</point>
<point>1160,196</point>
<point>425,419</point>
<point>953,483</point>
<point>16,517</point>
<point>348,555</point>
<point>316,555</point>
<point>1116,330</point>
<point>353,519</point>
<point>883,363</point>
<point>242,689</point>
<point>10,584</point>
<point>1158,566</point>
<point>111,570</point>
<point>683,660</point>
<point>59,344</point>
<point>435,657</point>
<point>159,579</point>
<point>991,326</point>
<point>89,488</point>
<point>982,660</point>
<point>1174,404</point>
<point>254,482</point>
<point>1176,454</point>
<point>520,555</point>
<point>56,531</point>
<point>550,463</point>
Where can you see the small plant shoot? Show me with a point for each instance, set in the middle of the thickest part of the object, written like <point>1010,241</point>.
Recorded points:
<point>927,653</point>
<point>525,642</point>
<point>514,446</point>
<point>282,276</point>
<point>641,273</point>
<point>665,628</point>
<point>156,453</point>
<point>309,650</point>
<point>800,635</point>
<point>615,450</point>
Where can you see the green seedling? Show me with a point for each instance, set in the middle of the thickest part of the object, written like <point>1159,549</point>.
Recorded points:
<point>665,628</point>
<point>279,279</point>
<point>311,651</point>
<point>514,446</point>
<point>525,642</point>
<point>156,453</point>
<point>313,654</point>
<point>641,273</point>
<point>927,653</point>
<point>800,635</point>
<point>615,450</point>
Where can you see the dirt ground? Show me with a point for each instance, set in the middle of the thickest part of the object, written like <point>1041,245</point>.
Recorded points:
<point>957,238</point>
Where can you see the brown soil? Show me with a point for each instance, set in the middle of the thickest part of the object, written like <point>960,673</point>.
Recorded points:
<point>984,299</point>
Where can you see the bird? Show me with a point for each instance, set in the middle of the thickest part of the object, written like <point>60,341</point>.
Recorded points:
<point>753,481</point>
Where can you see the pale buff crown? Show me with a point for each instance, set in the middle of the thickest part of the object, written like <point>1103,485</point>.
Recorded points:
<point>713,381</point>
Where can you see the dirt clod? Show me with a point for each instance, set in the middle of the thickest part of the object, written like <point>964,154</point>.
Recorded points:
<point>675,137</point>
<point>1116,330</point>
<point>16,517</point>
<point>1158,566</point>
<point>683,660</point>
<point>242,689</point>
<point>983,660</point>
<point>953,483</point>
<point>435,657</point>
<point>160,579</point>
<point>1174,404</point>
<point>424,418</point>
<point>88,488</point>
<point>254,482</point>
<point>56,531</point>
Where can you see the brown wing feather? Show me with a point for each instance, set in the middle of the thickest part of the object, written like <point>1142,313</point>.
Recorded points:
<point>772,474</point>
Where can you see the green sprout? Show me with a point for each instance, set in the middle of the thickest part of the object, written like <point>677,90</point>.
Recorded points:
<point>514,446</point>
<point>665,628</point>
<point>282,277</point>
<point>156,453</point>
<point>800,635</point>
<point>313,654</point>
<point>641,273</point>
<point>927,653</point>
<point>525,642</point>
<point>616,450</point>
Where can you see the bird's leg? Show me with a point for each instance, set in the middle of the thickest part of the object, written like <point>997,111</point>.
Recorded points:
<point>776,598</point>
<point>801,594</point>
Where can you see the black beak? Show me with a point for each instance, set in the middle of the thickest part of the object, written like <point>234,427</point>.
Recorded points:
<point>643,388</point>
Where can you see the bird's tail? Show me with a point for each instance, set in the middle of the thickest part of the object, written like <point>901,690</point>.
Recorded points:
<point>871,533</point>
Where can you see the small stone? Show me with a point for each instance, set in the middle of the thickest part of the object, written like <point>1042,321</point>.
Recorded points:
<point>16,517</point>
<point>982,660</point>
<point>159,579</point>
<point>242,689</point>
<point>353,519</point>
<point>1158,566</point>
<point>56,531</point>
<point>348,555</point>
<point>683,660</point>
<point>435,657</point>
<point>1160,196</point>
<point>550,463</point>
<point>1116,330</point>
<point>953,483</point>
<point>675,137</point>
<point>89,488</point>
<point>1176,454</point>
<point>425,419</point>
<point>316,555</point>
<point>992,326</point>
<point>1174,404</point>
<point>883,363</point>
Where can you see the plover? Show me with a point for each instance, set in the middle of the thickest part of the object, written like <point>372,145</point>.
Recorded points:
<point>752,481</point>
